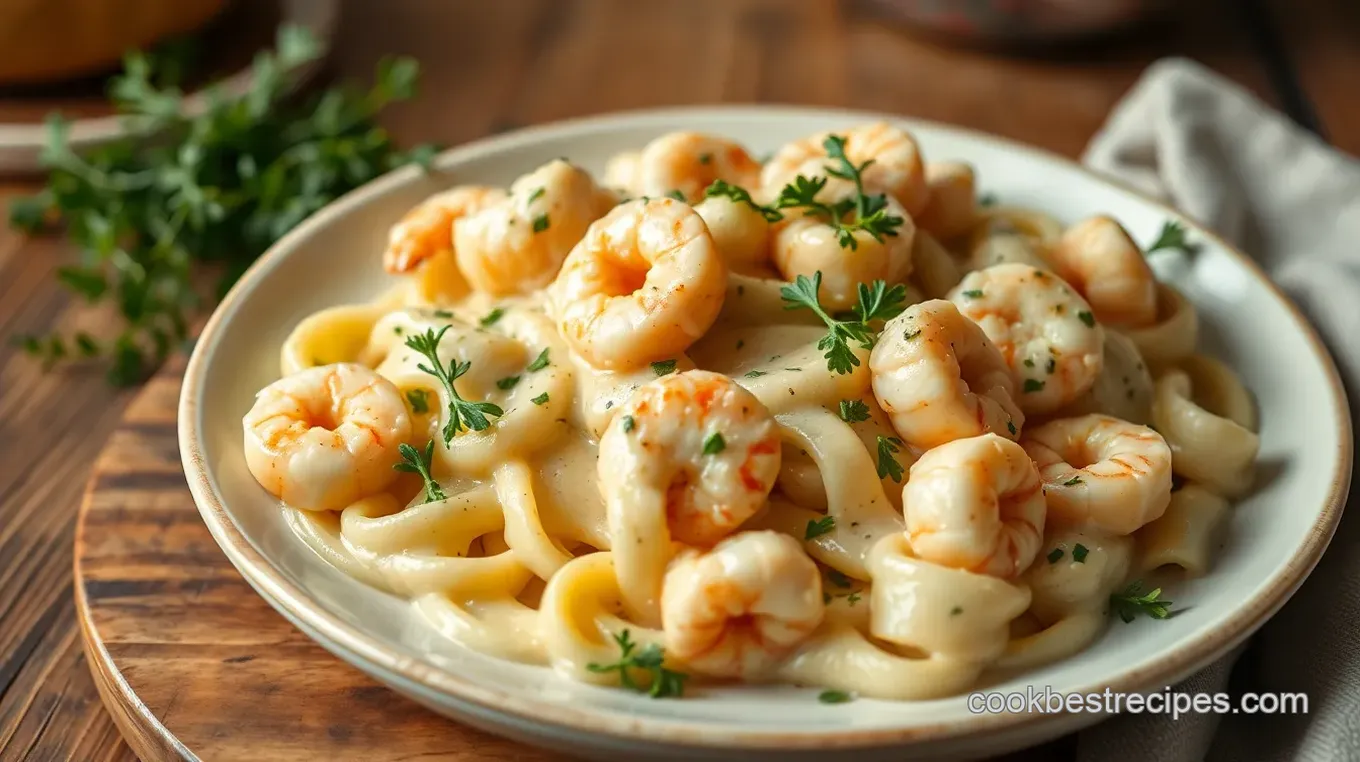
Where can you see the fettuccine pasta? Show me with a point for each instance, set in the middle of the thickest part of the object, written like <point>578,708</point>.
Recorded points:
<point>830,419</point>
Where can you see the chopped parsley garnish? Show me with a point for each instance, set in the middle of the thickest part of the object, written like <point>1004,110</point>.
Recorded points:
<point>536,195</point>
<point>629,424</point>
<point>1010,426</point>
<point>675,194</point>
<point>663,367</point>
<point>662,682</point>
<point>909,335</point>
<point>834,697</point>
<point>540,399</point>
<point>507,383</point>
<point>887,464</point>
<point>870,211</point>
<point>714,444</point>
<point>1072,482</point>
<point>539,362</point>
<point>738,195</point>
<point>876,302</point>
<point>443,314</point>
<point>1172,236</point>
<point>973,293</point>
<point>419,400</point>
<point>1055,555</point>
<point>462,413</point>
<point>1033,385</point>
<point>1079,552</point>
<point>1131,601</point>
<point>541,223</point>
<point>414,461</point>
<point>491,317</point>
<point>755,373</point>
<point>1087,318</point>
<point>818,527</point>
<point>854,411</point>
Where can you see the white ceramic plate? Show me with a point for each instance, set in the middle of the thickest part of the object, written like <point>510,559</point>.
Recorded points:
<point>1275,538</point>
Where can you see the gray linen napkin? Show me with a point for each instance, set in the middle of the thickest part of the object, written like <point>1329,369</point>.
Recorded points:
<point>1211,149</point>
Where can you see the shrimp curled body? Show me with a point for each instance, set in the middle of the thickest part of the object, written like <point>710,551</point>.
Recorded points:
<point>738,609</point>
<point>897,167</point>
<point>689,458</point>
<point>1102,472</point>
<point>643,284</point>
<point>327,436</point>
<point>688,162</point>
<point>1100,260</point>
<point>427,229</point>
<point>940,379</point>
<point>976,504</point>
<point>1045,331</point>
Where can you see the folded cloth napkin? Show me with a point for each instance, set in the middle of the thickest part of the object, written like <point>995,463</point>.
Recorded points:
<point>1290,201</point>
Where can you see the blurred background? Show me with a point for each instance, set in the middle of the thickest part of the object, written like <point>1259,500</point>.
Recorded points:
<point>1045,72</point>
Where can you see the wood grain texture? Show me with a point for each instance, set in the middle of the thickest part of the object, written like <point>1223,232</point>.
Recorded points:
<point>489,67</point>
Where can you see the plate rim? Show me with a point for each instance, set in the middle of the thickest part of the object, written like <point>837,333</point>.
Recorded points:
<point>351,644</point>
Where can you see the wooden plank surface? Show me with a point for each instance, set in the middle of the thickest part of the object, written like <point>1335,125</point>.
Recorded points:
<point>494,66</point>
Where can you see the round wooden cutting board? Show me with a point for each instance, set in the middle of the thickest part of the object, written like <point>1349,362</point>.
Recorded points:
<point>192,663</point>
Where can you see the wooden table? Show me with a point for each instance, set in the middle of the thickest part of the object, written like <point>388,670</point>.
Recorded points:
<point>493,66</point>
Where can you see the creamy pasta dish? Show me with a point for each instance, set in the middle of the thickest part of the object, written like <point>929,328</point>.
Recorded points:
<point>832,419</point>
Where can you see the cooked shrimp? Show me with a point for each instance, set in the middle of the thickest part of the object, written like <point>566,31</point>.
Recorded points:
<point>940,379</point>
<point>1101,261</point>
<point>803,245</point>
<point>896,169</point>
<point>427,229</point>
<point>642,285</point>
<point>688,162</point>
<point>952,208</point>
<point>1102,472</point>
<point>688,458</point>
<point>517,246</point>
<point>740,233</point>
<point>976,504</point>
<point>697,446</point>
<point>1044,330</point>
<point>621,172</point>
<point>738,609</point>
<point>325,437</point>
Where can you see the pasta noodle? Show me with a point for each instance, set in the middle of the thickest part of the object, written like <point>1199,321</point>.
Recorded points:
<point>635,452</point>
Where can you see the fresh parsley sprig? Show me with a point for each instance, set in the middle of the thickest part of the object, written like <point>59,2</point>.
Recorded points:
<point>462,414</point>
<point>876,302</point>
<point>887,464</point>
<point>870,210</point>
<point>739,195</point>
<point>1172,236</point>
<point>414,461</point>
<point>213,190</point>
<point>1132,601</point>
<point>664,683</point>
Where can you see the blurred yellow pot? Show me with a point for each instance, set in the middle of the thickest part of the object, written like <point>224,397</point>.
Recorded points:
<point>44,40</point>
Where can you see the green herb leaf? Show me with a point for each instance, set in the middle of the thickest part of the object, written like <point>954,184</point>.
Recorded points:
<point>539,362</point>
<point>490,318</point>
<point>1033,385</point>
<point>854,411</point>
<point>887,464</point>
<point>419,400</point>
<point>1055,555</point>
<point>416,462</point>
<point>663,367</point>
<point>876,301</point>
<point>870,211</point>
<point>661,682</point>
<point>541,399</point>
<point>834,697</point>
<point>714,444</point>
<point>739,195</point>
<point>1079,552</point>
<point>755,374</point>
<point>818,527</point>
<point>219,186</point>
<point>1072,482</point>
<point>507,383</point>
<point>1087,318</point>
<point>1172,236</point>
<point>462,413</point>
<point>628,424</point>
<point>973,293</point>
<point>541,223</point>
<point>1131,601</point>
